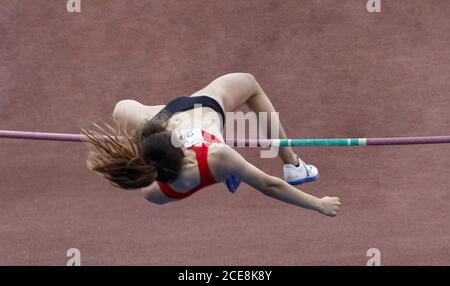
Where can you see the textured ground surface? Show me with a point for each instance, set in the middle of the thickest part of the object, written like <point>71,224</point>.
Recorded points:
<point>331,68</point>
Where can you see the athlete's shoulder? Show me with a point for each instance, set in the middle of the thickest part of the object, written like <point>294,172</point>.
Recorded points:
<point>219,160</point>
<point>219,151</point>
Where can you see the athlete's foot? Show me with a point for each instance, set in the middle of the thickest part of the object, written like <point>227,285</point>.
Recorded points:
<point>303,173</point>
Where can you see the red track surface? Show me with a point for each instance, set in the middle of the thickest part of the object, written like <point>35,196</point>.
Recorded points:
<point>332,70</point>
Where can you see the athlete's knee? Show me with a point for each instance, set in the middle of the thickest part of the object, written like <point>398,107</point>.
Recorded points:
<point>250,80</point>
<point>235,88</point>
<point>244,76</point>
<point>249,76</point>
<point>247,81</point>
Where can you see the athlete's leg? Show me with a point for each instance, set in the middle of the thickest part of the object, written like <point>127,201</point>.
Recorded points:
<point>237,89</point>
<point>260,102</point>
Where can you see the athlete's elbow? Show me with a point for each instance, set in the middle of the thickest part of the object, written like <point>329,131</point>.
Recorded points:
<point>271,186</point>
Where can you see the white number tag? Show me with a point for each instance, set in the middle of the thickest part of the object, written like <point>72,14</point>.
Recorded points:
<point>191,137</point>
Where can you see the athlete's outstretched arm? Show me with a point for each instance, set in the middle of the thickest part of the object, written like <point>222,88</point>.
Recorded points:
<point>231,162</point>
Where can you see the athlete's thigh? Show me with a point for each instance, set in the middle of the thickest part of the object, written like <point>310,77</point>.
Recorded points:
<point>231,90</point>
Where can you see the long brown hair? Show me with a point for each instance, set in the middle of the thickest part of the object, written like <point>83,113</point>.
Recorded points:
<point>133,161</point>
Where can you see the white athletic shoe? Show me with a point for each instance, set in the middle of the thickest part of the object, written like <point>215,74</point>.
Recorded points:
<point>303,173</point>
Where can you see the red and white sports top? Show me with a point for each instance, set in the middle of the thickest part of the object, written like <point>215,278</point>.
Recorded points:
<point>197,140</point>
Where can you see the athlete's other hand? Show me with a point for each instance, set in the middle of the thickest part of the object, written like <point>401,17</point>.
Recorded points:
<point>329,206</point>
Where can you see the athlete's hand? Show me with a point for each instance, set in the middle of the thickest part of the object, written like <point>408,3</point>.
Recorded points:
<point>329,206</point>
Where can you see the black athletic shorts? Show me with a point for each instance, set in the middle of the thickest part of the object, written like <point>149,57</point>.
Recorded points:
<point>184,103</point>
